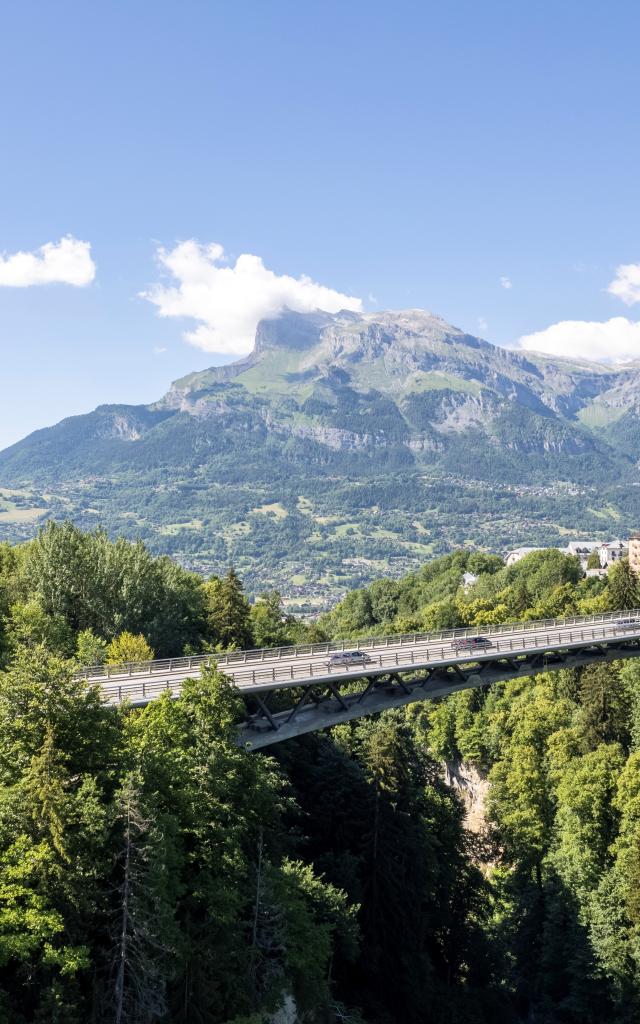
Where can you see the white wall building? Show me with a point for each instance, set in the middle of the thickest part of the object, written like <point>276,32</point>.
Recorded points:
<point>518,553</point>
<point>612,551</point>
<point>608,552</point>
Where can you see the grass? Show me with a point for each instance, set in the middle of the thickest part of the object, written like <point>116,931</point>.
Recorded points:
<point>21,515</point>
<point>271,375</point>
<point>608,513</point>
<point>172,529</point>
<point>436,381</point>
<point>304,506</point>
<point>343,529</point>
<point>596,415</point>
<point>275,509</point>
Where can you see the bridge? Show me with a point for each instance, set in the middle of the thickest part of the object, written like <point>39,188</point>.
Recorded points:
<point>288,691</point>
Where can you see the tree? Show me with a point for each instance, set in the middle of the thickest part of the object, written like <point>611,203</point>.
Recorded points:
<point>605,714</point>
<point>270,625</point>
<point>54,860</point>
<point>219,797</point>
<point>623,590</point>
<point>228,612</point>
<point>145,935</point>
<point>129,648</point>
<point>593,561</point>
<point>586,820</point>
<point>91,649</point>
<point>112,587</point>
<point>30,625</point>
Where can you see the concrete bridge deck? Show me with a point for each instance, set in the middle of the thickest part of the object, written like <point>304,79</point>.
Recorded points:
<point>292,690</point>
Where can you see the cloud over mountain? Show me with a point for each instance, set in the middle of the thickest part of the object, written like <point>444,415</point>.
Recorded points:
<point>65,262</point>
<point>613,341</point>
<point>227,301</point>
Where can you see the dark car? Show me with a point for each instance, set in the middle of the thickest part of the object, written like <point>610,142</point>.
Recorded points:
<point>627,623</point>
<point>345,659</point>
<point>471,643</point>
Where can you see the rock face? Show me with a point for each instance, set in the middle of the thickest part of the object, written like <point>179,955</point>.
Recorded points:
<point>357,415</point>
<point>354,382</point>
<point>473,789</point>
<point>472,786</point>
<point>414,359</point>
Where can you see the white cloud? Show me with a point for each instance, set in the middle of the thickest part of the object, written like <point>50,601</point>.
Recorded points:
<point>505,282</point>
<point>159,350</point>
<point>228,301</point>
<point>612,341</point>
<point>482,325</point>
<point>626,283</point>
<point>65,262</point>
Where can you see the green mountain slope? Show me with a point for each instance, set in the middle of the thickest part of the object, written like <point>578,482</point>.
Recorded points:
<point>343,447</point>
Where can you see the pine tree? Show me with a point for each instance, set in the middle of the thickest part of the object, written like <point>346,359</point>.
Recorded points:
<point>144,931</point>
<point>228,612</point>
<point>623,588</point>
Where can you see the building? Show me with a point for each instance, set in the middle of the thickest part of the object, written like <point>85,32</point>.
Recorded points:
<point>612,551</point>
<point>582,549</point>
<point>607,552</point>
<point>634,551</point>
<point>518,553</point>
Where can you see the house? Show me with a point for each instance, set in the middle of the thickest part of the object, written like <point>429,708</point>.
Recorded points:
<point>608,552</point>
<point>582,549</point>
<point>518,553</point>
<point>468,579</point>
<point>612,551</point>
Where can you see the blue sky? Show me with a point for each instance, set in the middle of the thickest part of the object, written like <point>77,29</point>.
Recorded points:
<point>406,154</point>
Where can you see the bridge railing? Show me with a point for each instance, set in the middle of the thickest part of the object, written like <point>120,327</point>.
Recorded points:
<point>235,659</point>
<point>316,671</point>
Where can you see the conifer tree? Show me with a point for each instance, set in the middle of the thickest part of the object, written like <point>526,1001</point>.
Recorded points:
<point>228,611</point>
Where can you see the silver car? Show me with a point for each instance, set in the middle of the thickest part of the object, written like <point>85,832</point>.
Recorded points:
<point>348,659</point>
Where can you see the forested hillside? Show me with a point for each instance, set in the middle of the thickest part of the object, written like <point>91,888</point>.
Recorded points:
<point>151,871</point>
<point>344,448</point>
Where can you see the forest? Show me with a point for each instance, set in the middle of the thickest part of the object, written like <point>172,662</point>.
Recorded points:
<point>151,871</point>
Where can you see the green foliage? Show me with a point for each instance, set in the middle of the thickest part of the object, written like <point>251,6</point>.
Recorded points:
<point>593,561</point>
<point>91,583</point>
<point>228,612</point>
<point>623,588</point>
<point>90,649</point>
<point>29,625</point>
<point>125,647</point>
<point>152,870</point>
<point>270,626</point>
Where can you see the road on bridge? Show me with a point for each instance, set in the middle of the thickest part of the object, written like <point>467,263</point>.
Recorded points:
<point>266,670</point>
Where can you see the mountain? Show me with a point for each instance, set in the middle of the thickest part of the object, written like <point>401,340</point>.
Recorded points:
<point>344,447</point>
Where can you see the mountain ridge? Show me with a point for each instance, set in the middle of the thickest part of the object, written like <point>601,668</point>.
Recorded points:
<point>330,418</point>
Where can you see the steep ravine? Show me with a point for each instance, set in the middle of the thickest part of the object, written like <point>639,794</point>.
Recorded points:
<point>472,786</point>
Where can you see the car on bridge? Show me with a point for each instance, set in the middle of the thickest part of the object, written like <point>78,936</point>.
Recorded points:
<point>347,659</point>
<point>627,623</point>
<point>471,643</point>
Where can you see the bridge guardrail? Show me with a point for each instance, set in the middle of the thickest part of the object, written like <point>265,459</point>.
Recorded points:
<point>228,658</point>
<point>306,672</point>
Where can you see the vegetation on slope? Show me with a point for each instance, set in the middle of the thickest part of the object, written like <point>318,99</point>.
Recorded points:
<point>151,871</point>
<point>375,437</point>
